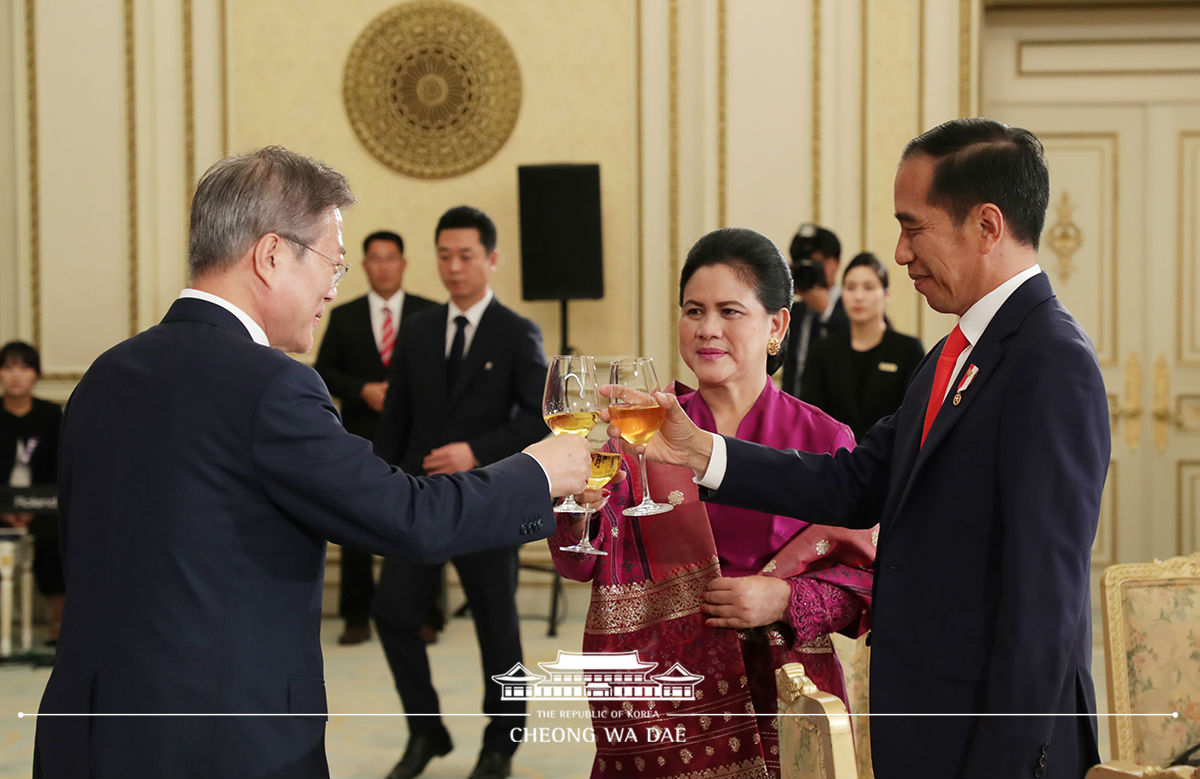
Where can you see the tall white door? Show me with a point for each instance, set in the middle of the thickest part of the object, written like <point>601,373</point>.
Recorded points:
<point>1116,100</point>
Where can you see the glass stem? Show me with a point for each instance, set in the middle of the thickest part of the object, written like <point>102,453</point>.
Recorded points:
<point>586,542</point>
<point>645,482</point>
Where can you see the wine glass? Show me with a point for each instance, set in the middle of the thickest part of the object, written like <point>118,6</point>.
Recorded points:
<point>638,416</point>
<point>604,466</point>
<point>571,404</point>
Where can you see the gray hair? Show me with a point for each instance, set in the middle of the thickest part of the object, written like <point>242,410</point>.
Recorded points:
<point>242,198</point>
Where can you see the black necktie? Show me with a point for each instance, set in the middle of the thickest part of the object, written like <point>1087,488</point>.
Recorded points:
<point>454,361</point>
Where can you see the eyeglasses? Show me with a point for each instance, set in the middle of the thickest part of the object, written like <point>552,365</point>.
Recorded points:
<point>340,267</point>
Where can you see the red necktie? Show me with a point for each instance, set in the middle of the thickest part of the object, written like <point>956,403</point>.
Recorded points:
<point>387,337</point>
<point>941,378</point>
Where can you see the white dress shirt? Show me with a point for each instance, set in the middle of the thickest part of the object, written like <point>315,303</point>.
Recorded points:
<point>256,332</point>
<point>473,315</point>
<point>377,304</point>
<point>973,323</point>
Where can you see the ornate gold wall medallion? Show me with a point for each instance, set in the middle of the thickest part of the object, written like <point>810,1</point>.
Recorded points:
<point>432,88</point>
<point>1065,237</point>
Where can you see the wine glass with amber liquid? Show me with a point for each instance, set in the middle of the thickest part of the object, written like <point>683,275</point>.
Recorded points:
<point>634,411</point>
<point>571,404</point>
<point>604,466</point>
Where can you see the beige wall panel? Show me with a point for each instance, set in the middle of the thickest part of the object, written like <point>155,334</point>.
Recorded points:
<point>839,204</point>
<point>1188,225</point>
<point>1104,548</point>
<point>162,189</point>
<point>891,55</point>
<point>1079,55</point>
<point>10,248</point>
<point>83,181</point>
<point>576,60</point>
<point>1187,476</point>
<point>768,116</point>
<point>659,215</point>
<point>1083,194</point>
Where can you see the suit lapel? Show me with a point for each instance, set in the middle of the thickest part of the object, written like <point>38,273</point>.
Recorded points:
<point>986,356</point>
<point>365,335</point>
<point>481,346</point>
<point>428,348</point>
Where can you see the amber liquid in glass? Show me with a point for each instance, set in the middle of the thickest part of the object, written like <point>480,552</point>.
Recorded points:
<point>638,424</point>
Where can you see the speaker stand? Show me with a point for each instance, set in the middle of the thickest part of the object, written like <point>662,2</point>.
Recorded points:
<point>562,327</point>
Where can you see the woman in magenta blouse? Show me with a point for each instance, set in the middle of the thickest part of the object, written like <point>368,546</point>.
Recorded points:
<point>727,594</point>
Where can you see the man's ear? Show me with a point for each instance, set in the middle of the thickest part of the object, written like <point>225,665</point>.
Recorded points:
<point>266,258</point>
<point>990,222</point>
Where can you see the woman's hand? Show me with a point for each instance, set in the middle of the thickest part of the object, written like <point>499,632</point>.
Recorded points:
<point>746,601</point>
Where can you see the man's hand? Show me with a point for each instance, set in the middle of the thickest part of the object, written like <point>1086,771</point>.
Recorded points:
<point>566,460</point>
<point>373,394</point>
<point>450,458</point>
<point>679,441</point>
<point>746,601</point>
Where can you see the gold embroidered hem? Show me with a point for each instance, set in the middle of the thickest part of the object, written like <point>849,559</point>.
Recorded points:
<point>624,608</point>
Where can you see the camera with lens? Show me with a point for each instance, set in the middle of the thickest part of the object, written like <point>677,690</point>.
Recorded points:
<point>807,274</point>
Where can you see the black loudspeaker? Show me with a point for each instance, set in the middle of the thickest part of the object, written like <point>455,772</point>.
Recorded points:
<point>562,256</point>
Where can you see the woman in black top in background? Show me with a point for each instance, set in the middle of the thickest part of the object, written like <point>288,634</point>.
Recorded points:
<point>858,376</point>
<point>29,456</point>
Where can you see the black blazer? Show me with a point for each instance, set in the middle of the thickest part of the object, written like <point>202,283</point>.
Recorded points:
<point>201,474</point>
<point>982,579</point>
<point>44,418</point>
<point>832,384</point>
<point>348,357</point>
<point>495,404</point>
<point>790,382</point>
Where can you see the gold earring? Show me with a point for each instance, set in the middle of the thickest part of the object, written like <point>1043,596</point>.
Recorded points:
<point>773,346</point>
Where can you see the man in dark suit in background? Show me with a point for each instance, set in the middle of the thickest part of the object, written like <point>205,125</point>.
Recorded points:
<point>201,470</point>
<point>466,389</point>
<point>986,482</point>
<point>816,254</point>
<point>353,360</point>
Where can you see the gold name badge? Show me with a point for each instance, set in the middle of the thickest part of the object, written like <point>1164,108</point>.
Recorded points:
<point>888,367</point>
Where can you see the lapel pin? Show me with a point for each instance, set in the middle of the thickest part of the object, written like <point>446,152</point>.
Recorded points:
<point>972,369</point>
<point>487,366</point>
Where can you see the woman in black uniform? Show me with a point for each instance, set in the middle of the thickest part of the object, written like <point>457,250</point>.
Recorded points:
<point>858,376</point>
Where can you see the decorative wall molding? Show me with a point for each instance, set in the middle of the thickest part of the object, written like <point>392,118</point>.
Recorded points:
<point>432,88</point>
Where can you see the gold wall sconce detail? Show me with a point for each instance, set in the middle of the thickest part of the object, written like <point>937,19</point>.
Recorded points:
<point>1065,237</point>
<point>1164,416</point>
<point>1131,409</point>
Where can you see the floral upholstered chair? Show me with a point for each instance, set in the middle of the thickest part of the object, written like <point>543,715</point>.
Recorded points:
<point>855,656</point>
<point>814,729</point>
<point>1152,654</point>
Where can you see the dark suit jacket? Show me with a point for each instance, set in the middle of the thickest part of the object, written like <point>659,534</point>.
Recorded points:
<point>495,404</point>
<point>200,475</point>
<point>982,576</point>
<point>832,382</point>
<point>791,379</point>
<point>348,357</point>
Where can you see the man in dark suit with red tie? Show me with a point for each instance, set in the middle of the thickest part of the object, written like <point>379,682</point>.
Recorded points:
<point>466,389</point>
<point>986,482</point>
<point>353,360</point>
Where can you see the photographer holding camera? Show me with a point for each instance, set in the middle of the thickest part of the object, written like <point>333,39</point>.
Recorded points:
<point>816,254</point>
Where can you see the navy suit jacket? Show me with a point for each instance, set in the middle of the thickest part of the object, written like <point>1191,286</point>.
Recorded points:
<point>495,404</point>
<point>981,595</point>
<point>201,474</point>
<point>348,357</point>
